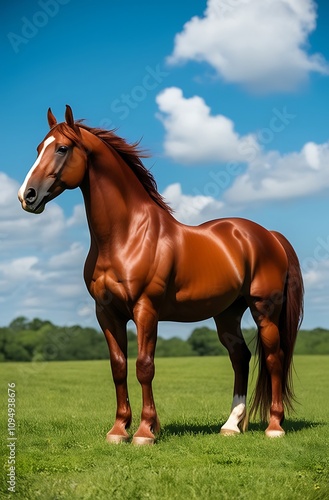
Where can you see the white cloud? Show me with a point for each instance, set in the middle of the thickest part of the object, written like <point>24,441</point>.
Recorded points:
<point>39,285</point>
<point>258,43</point>
<point>17,271</point>
<point>68,259</point>
<point>41,266</point>
<point>78,217</point>
<point>19,229</point>
<point>193,135</point>
<point>312,155</point>
<point>191,209</point>
<point>9,194</point>
<point>276,177</point>
<point>316,278</point>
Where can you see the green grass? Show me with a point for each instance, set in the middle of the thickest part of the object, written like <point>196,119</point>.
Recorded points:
<point>64,410</point>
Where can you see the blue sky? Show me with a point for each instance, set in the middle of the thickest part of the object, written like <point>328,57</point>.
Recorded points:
<point>229,96</point>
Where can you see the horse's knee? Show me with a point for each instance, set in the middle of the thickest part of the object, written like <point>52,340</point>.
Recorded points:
<point>240,358</point>
<point>119,368</point>
<point>242,354</point>
<point>145,368</point>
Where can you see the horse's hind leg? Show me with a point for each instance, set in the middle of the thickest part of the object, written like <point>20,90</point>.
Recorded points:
<point>266,313</point>
<point>146,320</point>
<point>229,332</point>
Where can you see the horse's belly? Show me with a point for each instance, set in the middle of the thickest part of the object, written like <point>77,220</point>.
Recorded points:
<point>191,310</point>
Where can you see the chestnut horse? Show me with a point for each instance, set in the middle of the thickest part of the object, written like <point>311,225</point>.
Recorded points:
<point>144,265</point>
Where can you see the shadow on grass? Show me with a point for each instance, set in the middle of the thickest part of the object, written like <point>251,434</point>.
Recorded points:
<point>290,426</point>
<point>300,425</point>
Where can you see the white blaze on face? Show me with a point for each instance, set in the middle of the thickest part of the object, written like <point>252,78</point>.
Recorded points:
<point>34,166</point>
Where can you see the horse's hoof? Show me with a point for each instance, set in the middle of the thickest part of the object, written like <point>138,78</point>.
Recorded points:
<point>274,433</point>
<point>141,441</point>
<point>229,432</point>
<point>237,421</point>
<point>116,438</point>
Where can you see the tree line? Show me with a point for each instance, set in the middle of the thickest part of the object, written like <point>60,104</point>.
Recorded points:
<point>39,340</point>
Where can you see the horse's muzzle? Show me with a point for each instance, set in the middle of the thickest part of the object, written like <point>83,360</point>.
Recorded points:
<point>29,201</point>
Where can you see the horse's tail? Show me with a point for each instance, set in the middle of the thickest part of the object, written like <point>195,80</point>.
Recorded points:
<point>290,320</point>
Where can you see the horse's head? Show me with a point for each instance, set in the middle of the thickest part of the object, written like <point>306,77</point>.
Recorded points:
<point>61,164</point>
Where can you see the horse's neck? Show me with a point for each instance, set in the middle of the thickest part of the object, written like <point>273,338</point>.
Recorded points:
<point>116,202</point>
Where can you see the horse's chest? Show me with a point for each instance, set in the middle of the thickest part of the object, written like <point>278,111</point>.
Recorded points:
<point>107,290</point>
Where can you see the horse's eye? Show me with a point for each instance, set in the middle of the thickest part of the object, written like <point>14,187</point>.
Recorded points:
<point>62,150</point>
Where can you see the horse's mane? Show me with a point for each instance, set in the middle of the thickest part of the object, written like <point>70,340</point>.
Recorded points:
<point>130,153</point>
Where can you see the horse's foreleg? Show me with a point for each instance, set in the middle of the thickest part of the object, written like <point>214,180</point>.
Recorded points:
<point>116,337</point>
<point>230,335</point>
<point>146,322</point>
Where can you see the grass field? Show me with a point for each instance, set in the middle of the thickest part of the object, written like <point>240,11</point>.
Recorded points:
<point>64,410</point>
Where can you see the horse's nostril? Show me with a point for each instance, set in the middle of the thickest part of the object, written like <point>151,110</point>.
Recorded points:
<point>30,196</point>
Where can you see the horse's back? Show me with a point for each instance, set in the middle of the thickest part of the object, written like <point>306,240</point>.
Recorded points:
<point>264,257</point>
<point>231,252</point>
<point>237,238</point>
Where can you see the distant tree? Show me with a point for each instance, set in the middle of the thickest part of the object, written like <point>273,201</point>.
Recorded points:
<point>39,340</point>
<point>132,344</point>
<point>3,341</point>
<point>75,342</point>
<point>38,323</point>
<point>205,342</point>
<point>19,324</point>
<point>174,347</point>
<point>314,341</point>
<point>31,340</point>
<point>15,351</point>
<point>250,337</point>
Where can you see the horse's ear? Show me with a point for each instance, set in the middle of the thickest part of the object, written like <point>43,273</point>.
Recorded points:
<point>51,119</point>
<point>69,116</point>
